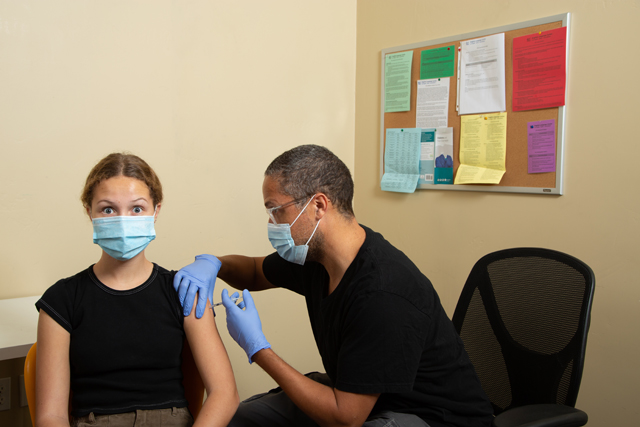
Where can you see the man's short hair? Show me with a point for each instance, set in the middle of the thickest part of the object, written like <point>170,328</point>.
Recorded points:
<point>309,169</point>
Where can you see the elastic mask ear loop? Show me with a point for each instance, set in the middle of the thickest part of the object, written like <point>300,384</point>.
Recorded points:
<point>314,232</point>
<point>305,207</point>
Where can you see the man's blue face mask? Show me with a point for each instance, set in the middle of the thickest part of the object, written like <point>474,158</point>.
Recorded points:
<point>281,240</point>
<point>123,237</point>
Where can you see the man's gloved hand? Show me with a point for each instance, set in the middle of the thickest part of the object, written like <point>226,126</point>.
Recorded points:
<point>235,297</point>
<point>199,276</point>
<point>244,325</point>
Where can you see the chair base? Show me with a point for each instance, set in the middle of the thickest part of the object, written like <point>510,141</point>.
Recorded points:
<point>544,415</point>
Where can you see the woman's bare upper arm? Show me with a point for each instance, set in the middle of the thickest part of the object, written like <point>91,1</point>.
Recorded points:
<point>209,352</point>
<point>52,370</point>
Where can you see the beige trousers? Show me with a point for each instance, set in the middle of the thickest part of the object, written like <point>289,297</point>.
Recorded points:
<point>172,417</point>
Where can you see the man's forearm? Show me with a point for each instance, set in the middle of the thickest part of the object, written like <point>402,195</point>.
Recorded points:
<point>325,405</point>
<point>242,272</point>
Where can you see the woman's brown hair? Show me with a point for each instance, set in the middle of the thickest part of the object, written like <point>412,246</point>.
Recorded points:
<point>121,164</point>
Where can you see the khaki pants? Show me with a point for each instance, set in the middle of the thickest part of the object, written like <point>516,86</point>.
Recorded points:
<point>172,417</point>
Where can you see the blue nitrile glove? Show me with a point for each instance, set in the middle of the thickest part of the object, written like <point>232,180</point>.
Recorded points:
<point>236,296</point>
<point>199,276</point>
<point>244,325</point>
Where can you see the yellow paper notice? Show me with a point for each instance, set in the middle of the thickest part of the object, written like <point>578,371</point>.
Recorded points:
<point>483,149</point>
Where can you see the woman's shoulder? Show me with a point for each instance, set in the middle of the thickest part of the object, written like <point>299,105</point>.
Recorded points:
<point>59,300</point>
<point>161,270</point>
<point>163,274</point>
<point>70,283</point>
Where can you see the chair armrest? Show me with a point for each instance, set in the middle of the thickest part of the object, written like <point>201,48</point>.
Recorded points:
<point>544,415</point>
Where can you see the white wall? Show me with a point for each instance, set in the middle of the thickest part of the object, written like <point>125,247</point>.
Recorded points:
<point>598,218</point>
<point>207,92</point>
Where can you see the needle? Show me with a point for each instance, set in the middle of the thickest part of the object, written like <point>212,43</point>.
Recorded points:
<point>234,299</point>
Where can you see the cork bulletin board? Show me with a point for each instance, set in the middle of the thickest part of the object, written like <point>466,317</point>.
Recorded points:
<point>516,179</point>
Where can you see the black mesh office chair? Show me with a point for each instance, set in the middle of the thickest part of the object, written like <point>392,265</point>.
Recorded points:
<point>523,316</point>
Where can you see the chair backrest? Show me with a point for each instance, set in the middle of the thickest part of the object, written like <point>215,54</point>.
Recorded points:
<point>191,380</point>
<point>30,381</point>
<point>523,316</point>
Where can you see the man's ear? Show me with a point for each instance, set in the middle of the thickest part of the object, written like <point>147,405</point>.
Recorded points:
<point>321,205</point>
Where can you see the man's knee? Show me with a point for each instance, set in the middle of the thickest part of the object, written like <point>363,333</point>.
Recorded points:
<point>274,408</point>
<point>264,410</point>
<point>247,414</point>
<point>394,419</point>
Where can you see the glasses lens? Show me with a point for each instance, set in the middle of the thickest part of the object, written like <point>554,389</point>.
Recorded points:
<point>270,213</point>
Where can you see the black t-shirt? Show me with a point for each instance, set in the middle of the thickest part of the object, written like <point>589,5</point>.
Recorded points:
<point>125,350</point>
<point>383,330</point>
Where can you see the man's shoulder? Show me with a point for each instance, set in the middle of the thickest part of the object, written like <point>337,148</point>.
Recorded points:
<point>384,269</point>
<point>375,242</point>
<point>384,256</point>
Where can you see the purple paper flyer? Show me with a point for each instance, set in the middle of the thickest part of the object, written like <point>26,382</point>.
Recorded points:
<point>542,146</point>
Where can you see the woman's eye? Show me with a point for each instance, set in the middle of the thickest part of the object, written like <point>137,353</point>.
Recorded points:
<point>107,211</point>
<point>137,210</point>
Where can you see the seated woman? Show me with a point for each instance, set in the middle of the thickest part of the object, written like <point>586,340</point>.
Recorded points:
<point>113,333</point>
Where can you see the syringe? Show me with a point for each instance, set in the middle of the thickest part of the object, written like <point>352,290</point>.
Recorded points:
<point>234,299</point>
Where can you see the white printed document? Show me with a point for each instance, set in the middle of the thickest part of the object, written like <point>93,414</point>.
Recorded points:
<point>482,75</point>
<point>432,103</point>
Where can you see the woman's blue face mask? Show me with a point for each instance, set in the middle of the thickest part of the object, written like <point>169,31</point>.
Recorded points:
<point>123,237</point>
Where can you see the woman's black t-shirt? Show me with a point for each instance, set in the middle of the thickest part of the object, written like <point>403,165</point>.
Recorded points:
<point>125,351</point>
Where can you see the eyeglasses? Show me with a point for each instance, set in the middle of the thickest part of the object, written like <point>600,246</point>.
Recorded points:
<point>272,211</point>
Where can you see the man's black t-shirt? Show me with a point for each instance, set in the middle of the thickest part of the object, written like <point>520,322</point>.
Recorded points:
<point>383,330</point>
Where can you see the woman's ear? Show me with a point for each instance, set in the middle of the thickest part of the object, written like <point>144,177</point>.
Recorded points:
<point>157,212</point>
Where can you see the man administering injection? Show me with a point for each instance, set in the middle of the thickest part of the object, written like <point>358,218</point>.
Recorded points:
<point>392,356</point>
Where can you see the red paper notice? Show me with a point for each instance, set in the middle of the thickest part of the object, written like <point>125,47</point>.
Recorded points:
<point>539,70</point>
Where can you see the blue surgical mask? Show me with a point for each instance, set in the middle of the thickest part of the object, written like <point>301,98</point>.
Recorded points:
<point>123,237</point>
<point>281,240</point>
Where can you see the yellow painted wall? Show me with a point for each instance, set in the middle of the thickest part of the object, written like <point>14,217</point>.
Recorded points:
<point>207,92</point>
<point>598,218</point>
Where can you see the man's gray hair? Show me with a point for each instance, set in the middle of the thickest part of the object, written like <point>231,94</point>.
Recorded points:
<point>309,169</point>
